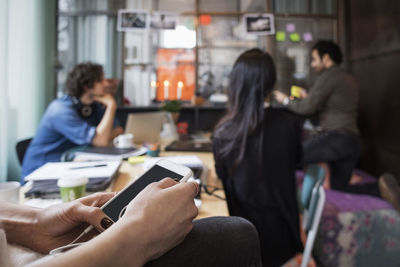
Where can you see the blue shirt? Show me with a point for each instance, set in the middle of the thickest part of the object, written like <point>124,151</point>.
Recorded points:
<point>61,128</point>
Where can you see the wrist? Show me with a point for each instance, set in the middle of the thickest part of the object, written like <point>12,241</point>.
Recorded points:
<point>112,103</point>
<point>20,225</point>
<point>120,236</point>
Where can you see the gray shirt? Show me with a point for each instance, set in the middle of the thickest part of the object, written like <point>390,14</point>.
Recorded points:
<point>334,97</point>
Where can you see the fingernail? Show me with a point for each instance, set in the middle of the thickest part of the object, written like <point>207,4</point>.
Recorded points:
<point>105,223</point>
<point>176,180</point>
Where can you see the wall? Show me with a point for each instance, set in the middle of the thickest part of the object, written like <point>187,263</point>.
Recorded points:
<point>372,37</point>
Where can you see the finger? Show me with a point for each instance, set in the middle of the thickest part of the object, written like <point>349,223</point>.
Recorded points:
<point>92,215</point>
<point>190,189</point>
<point>97,199</point>
<point>166,182</point>
<point>195,187</point>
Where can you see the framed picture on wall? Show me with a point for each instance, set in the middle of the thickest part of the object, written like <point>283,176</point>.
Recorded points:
<point>259,24</point>
<point>132,20</point>
<point>163,20</point>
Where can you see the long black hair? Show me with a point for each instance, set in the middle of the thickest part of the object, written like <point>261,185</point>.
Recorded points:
<point>251,80</point>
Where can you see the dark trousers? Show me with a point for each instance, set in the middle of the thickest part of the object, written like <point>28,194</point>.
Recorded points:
<point>340,151</point>
<point>215,241</point>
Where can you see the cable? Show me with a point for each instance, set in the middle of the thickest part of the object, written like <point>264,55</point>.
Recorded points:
<point>72,244</point>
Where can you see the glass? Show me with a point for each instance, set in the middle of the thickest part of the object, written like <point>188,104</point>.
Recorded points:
<point>174,61</point>
<point>177,6</point>
<point>318,7</point>
<point>90,5</point>
<point>293,41</point>
<point>87,36</point>
<point>219,6</point>
<point>221,40</point>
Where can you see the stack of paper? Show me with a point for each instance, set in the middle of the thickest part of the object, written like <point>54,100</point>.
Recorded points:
<point>54,170</point>
<point>44,179</point>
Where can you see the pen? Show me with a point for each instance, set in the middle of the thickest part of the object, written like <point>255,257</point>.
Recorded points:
<point>91,166</point>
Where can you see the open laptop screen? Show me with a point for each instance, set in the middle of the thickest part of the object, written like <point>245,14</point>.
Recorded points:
<point>145,127</point>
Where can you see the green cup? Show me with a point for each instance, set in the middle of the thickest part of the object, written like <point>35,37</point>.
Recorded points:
<point>72,187</point>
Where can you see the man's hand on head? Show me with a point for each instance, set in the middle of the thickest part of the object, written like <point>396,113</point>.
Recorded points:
<point>108,100</point>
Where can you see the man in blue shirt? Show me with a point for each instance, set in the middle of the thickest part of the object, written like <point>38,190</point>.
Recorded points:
<point>83,116</point>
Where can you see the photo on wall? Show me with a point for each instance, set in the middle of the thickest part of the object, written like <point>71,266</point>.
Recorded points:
<point>163,20</point>
<point>259,24</point>
<point>132,20</point>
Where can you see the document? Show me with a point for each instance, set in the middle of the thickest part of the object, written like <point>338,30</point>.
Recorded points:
<point>44,179</point>
<point>91,169</point>
<point>188,161</point>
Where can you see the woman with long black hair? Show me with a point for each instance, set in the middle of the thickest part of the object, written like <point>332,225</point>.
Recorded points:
<point>256,150</point>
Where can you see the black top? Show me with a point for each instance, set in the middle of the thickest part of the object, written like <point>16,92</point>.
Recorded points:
<point>266,195</point>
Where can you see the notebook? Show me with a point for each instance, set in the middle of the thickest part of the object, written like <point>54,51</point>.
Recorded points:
<point>146,126</point>
<point>54,170</point>
<point>44,179</point>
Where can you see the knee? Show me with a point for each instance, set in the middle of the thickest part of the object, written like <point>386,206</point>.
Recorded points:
<point>234,230</point>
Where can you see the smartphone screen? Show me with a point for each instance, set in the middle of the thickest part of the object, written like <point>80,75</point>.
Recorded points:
<point>115,208</point>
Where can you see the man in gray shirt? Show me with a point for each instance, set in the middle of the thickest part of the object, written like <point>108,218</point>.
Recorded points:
<point>334,98</point>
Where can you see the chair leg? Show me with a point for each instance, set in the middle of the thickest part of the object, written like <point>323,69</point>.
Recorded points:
<point>314,229</point>
<point>308,248</point>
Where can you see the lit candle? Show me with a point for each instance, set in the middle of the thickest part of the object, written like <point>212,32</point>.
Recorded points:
<point>179,91</point>
<point>153,89</point>
<point>166,85</point>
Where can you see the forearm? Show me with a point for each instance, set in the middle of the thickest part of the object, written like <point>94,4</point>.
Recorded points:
<point>19,223</point>
<point>316,98</point>
<point>105,128</point>
<point>115,247</point>
<point>116,131</point>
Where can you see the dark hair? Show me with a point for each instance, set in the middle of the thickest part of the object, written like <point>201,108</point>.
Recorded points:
<point>83,76</point>
<point>328,47</point>
<point>251,80</point>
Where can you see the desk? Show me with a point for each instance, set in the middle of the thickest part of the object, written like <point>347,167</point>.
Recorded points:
<point>211,205</point>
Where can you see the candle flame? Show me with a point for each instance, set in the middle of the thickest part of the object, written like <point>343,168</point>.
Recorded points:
<point>153,83</point>
<point>180,84</point>
<point>166,83</point>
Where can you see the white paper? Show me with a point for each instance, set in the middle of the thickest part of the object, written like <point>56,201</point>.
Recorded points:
<point>188,161</point>
<point>54,170</point>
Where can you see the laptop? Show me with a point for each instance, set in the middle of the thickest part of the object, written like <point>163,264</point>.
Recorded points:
<point>146,126</point>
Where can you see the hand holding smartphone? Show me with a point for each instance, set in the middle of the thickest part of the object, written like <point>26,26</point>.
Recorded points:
<point>116,206</point>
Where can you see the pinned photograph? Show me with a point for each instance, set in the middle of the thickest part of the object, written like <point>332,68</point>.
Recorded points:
<point>132,20</point>
<point>163,20</point>
<point>259,24</point>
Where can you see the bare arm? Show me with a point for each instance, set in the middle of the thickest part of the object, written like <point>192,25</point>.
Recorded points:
<point>45,229</point>
<point>104,131</point>
<point>116,131</point>
<point>157,220</point>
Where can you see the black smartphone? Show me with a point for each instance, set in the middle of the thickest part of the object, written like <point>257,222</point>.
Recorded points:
<point>116,206</point>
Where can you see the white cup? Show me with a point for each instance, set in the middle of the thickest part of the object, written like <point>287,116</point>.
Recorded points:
<point>123,141</point>
<point>9,191</point>
<point>72,186</point>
